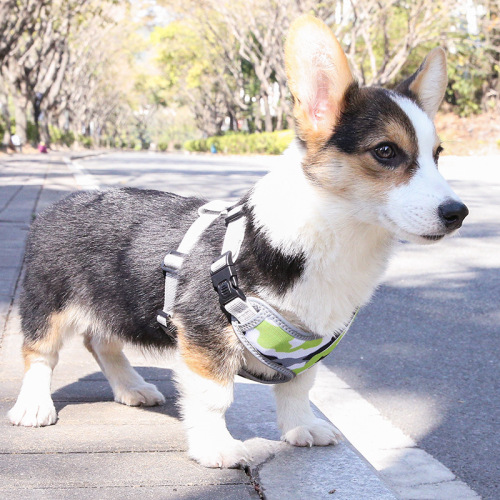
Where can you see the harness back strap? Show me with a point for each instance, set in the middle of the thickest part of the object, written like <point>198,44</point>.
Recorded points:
<point>172,262</point>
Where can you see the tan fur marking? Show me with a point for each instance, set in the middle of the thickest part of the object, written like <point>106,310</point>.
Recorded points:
<point>348,175</point>
<point>49,344</point>
<point>221,367</point>
<point>397,134</point>
<point>29,356</point>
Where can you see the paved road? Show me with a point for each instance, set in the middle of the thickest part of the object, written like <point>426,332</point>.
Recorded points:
<point>425,352</point>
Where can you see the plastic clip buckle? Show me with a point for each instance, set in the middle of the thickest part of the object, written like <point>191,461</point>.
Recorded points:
<point>234,214</point>
<point>225,280</point>
<point>172,262</point>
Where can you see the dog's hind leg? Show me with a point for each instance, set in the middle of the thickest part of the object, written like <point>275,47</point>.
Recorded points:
<point>34,406</point>
<point>298,424</point>
<point>128,386</point>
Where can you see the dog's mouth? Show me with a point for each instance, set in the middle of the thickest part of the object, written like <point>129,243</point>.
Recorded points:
<point>433,237</point>
<point>407,236</point>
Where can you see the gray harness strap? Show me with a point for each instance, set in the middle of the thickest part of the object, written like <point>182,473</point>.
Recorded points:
<point>172,262</point>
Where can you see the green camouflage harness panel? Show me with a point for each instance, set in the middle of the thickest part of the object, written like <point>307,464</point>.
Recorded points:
<point>281,346</point>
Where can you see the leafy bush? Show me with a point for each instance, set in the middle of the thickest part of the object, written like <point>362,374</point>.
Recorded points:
<point>272,143</point>
<point>471,74</point>
<point>85,141</point>
<point>62,137</point>
<point>162,146</point>
<point>32,132</point>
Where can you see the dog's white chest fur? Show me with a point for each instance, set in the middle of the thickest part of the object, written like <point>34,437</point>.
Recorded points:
<point>344,258</point>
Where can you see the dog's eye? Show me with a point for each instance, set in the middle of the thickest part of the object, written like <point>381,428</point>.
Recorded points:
<point>385,152</point>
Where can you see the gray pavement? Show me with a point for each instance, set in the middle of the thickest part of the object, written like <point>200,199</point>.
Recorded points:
<point>99,449</point>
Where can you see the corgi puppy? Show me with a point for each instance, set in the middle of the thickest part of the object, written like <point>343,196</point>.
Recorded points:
<point>361,175</point>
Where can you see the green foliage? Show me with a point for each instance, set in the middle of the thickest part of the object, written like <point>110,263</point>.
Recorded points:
<point>171,126</point>
<point>2,128</point>
<point>85,141</point>
<point>273,143</point>
<point>32,133</point>
<point>468,70</point>
<point>61,137</point>
<point>181,55</point>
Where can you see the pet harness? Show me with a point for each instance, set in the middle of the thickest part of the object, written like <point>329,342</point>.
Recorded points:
<point>266,334</point>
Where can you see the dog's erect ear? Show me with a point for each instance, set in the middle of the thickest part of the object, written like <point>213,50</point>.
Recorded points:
<point>318,76</point>
<point>428,84</point>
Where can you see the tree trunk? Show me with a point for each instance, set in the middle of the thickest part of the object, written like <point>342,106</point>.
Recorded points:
<point>267,116</point>
<point>43,128</point>
<point>4,111</point>
<point>21,115</point>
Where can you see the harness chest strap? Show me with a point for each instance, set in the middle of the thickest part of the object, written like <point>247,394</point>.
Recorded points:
<point>275,342</point>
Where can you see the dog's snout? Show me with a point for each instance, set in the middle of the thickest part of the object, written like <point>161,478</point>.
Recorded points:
<point>452,213</point>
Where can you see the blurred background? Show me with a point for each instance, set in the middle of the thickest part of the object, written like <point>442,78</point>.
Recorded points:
<point>209,75</point>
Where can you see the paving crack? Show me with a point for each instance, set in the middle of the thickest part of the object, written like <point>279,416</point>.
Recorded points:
<point>7,203</point>
<point>253,474</point>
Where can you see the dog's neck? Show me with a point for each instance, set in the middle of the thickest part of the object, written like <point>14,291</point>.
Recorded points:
<point>344,258</point>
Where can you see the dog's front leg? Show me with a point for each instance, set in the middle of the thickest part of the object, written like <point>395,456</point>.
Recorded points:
<point>203,404</point>
<point>299,426</point>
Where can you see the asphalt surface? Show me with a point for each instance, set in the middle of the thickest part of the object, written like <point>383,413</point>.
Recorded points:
<point>425,352</point>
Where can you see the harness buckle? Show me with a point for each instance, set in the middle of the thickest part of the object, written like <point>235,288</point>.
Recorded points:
<point>234,214</point>
<point>172,262</point>
<point>225,280</point>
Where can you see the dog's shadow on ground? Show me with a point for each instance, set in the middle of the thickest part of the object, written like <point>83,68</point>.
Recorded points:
<point>94,388</point>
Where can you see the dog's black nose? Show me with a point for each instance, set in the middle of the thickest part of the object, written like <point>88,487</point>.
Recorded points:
<point>452,213</point>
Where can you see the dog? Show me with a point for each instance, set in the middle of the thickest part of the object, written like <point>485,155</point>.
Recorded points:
<point>319,231</point>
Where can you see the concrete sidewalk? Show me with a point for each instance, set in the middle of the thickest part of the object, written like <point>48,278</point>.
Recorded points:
<point>100,449</point>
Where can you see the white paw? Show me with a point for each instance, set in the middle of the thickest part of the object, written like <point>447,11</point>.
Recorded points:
<point>139,395</point>
<point>227,453</point>
<point>317,432</point>
<point>33,413</point>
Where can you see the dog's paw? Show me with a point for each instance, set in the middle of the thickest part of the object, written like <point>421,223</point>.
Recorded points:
<point>33,413</point>
<point>318,432</point>
<point>140,395</point>
<point>221,454</point>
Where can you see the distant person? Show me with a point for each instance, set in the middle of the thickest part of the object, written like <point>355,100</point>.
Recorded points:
<point>42,147</point>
